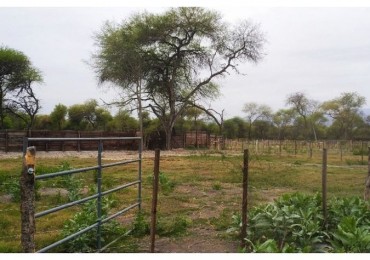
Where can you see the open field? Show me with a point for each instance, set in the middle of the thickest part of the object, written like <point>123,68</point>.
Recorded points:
<point>200,192</point>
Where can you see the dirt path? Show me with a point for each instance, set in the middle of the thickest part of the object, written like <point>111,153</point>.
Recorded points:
<point>201,240</point>
<point>113,155</point>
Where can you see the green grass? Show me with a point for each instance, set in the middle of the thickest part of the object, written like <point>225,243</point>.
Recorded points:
<point>209,183</point>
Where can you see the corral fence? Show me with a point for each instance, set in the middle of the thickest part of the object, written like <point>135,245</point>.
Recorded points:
<point>12,141</point>
<point>29,178</point>
<point>294,147</point>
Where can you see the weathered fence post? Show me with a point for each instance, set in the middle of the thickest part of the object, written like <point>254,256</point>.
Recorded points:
<point>243,232</point>
<point>295,147</point>
<point>324,187</point>
<point>280,147</point>
<point>6,138</point>
<point>154,200</point>
<point>99,198</point>
<point>27,182</point>
<point>367,183</point>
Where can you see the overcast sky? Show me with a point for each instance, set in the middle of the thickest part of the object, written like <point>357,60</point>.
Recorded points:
<point>321,51</point>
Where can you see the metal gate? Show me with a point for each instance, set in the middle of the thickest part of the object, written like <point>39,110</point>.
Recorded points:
<point>99,195</point>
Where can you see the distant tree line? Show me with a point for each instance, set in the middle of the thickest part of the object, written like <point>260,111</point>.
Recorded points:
<point>165,66</point>
<point>302,119</point>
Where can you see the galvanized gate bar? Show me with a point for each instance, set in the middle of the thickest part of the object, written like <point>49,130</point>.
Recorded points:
<point>99,194</point>
<point>140,173</point>
<point>67,238</point>
<point>120,212</point>
<point>64,206</point>
<point>99,205</point>
<point>82,138</point>
<point>120,188</point>
<point>56,174</point>
<point>119,163</point>
<point>61,173</point>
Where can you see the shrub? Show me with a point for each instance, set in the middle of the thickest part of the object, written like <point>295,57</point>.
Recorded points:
<point>140,227</point>
<point>12,187</point>
<point>294,223</point>
<point>87,216</point>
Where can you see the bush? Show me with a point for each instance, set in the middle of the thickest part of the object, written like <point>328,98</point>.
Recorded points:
<point>12,187</point>
<point>140,227</point>
<point>294,223</point>
<point>173,227</point>
<point>86,217</point>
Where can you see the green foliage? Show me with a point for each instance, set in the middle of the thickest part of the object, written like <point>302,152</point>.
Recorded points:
<point>12,187</point>
<point>351,236</point>
<point>217,186</point>
<point>73,186</point>
<point>140,226</point>
<point>173,227</point>
<point>84,218</point>
<point>294,223</point>
<point>166,185</point>
<point>16,95</point>
<point>344,207</point>
<point>58,116</point>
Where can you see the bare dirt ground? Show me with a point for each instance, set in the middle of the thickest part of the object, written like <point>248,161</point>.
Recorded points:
<point>111,155</point>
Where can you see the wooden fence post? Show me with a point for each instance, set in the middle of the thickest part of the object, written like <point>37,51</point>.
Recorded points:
<point>243,232</point>
<point>324,186</point>
<point>6,138</point>
<point>27,186</point>
<point>367,183</point>
<point>154,200</point>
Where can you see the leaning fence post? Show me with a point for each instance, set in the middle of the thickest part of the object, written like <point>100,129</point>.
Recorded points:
<point>27,187</point>
<point>324,187</point>
<point>154,200</point>
<point>367,183</point>
<point>243,232</point>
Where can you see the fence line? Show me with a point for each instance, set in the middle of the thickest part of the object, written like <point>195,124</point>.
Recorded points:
<point>297,146</point>
<point>13,140</point>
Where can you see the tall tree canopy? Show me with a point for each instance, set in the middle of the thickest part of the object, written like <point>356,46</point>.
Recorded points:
<point>16,94</point>
<point>255,112</point>
<point>345,111</point>
<point>174,57</point>
<point>307,109</point>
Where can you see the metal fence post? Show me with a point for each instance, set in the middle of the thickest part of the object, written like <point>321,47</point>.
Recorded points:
<point>367,183</point>
<point>99,199</point>
<point>27,182</point>
<point>154,200</point>
<point>140,173</point>
<point>243,232</point>
<point>324,186</point>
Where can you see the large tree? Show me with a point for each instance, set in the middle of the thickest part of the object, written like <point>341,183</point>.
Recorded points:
<point>16,93</point>
<point>58,116</point>
<point>255,112</point>
<point>345,111</point>
<point>174,57</point>
<point>307,109</point>
<point>23,102</point>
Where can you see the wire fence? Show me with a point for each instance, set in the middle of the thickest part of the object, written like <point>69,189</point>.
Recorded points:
<point>258,150</point>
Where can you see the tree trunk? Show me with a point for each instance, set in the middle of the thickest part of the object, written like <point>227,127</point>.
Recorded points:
<point>168,139</point>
